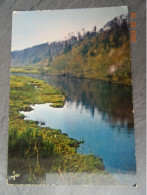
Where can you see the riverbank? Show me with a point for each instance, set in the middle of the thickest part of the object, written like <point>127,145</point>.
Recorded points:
<point>34,144</point>
<point>44,70</point>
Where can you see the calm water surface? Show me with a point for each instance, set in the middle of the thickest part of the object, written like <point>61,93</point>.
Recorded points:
<point>98,112</point>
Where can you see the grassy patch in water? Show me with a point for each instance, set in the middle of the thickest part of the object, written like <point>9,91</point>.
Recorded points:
<point>32,145</point>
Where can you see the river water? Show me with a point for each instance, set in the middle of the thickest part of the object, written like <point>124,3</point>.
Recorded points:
<point>98,112</point>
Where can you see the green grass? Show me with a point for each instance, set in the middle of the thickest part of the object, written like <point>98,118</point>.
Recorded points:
<point>24,70</point>
<point>41,149</point>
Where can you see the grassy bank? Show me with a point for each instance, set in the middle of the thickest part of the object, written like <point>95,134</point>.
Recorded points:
<point>45,70</point>
<point>24,70</point>
<point>35,150</point>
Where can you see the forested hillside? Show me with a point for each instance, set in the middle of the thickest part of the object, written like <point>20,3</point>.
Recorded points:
<point>103,54</point>
<point>33,55</point>
<point>38,53</point>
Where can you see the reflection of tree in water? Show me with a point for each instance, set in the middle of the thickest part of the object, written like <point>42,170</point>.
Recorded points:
<point>113,101</point>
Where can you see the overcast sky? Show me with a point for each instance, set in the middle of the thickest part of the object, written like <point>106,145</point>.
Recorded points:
<point>31,28</point>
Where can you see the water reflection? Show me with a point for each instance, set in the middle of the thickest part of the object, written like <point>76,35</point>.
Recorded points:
<point>98,112</point>
<point>112,100</point>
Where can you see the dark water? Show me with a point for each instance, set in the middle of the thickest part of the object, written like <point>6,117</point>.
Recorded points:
<point>98,112</point>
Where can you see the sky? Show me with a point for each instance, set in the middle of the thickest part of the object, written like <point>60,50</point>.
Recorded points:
<point>31,28</point>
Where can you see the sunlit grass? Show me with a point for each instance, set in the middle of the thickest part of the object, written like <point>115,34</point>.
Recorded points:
<point>24,70</point>
<point>27,140</point>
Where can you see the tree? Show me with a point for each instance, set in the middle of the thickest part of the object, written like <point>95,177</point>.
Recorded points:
<point>79,36</point>
<point>83,32</point>
<point>94,29</point>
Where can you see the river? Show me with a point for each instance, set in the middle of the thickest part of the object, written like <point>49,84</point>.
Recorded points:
<point>98,112</point>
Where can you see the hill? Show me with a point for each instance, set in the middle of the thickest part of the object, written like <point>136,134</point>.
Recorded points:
<point>35,54</point>
<point>97,55</point>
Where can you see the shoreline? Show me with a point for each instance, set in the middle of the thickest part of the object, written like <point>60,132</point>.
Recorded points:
<point>71,76</point>
<point>23,134</point>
